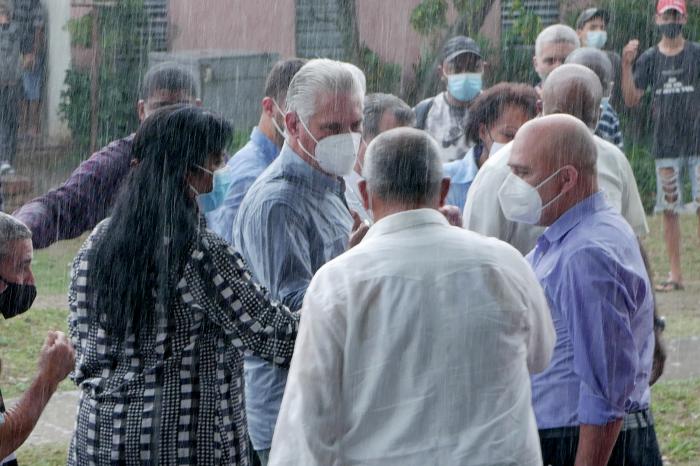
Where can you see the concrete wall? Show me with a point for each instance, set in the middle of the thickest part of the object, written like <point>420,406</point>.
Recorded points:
<point>58,58</point>
<point>260,25</point>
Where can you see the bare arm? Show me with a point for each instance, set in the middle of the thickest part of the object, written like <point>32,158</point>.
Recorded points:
<point>631,94</point>
<point>55,362</point>
<point>595,443</point>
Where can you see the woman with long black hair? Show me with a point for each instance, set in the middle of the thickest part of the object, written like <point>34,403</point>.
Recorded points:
<point>162,311</point>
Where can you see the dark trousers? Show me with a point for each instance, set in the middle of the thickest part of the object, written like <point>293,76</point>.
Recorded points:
<point>634,447</point>
<point>9,98</point>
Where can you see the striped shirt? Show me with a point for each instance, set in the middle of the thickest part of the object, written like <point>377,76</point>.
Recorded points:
<point>609,126</point>
<point>176,397</point>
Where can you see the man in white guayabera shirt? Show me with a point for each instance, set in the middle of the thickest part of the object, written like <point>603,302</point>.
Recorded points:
<point>396,363</point>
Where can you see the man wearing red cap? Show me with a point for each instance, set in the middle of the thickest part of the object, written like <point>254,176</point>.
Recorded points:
<point>671,70</point>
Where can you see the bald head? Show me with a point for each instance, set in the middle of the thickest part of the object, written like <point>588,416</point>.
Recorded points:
<point>574,90</point>
<point>597,61</point>
<point>556,154</point>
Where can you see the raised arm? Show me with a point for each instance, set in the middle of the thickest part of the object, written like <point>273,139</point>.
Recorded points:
<point>82,201</point>
<point>55,362</point>
<point>630,93</point>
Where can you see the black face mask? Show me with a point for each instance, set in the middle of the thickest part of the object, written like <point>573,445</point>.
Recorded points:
<point>16,299</point>
<point>670,30</point>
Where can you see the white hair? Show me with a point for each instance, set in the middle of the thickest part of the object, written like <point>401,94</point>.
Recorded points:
<point>322,75</point>
<point>11,229</point>
<point>556,34</point>
<point>403,166</point>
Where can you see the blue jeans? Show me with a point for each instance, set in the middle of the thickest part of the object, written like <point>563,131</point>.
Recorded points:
<point>669,183</point>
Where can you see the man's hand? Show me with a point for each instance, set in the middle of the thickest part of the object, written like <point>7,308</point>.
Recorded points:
<point>595,443</point>
<point>359,230</point>
<point>57,357</point>
<point>629,52</point>
<point>453,215</point>
<point>28,61</point>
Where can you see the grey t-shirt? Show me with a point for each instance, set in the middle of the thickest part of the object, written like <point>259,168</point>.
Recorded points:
<point>447,123</point>
<point>10,67</point>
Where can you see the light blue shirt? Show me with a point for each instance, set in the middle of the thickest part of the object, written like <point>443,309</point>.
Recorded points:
<point>461,172</point>
<point>590,267</point>
<point>245,167</point>
<point>293,220</point>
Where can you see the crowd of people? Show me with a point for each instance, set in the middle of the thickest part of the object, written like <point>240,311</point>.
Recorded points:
<point>363,282</point>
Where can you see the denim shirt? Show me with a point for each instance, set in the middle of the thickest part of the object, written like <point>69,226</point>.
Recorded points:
<point>245,167</point>
<point>462,173</point>
<point>293,220</point>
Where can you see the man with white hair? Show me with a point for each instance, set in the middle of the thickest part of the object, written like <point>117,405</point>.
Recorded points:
<point>600,296</point>
<point>552,46</point>
<point>392,365</point>
<point>295,217</point>
<point>56,359</point>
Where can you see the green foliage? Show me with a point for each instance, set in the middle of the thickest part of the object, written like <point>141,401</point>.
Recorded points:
<point>381,77</point>
<point>525,27</point>
<point>123,59</point>
<point>429,16</point>
<point>80,30</point>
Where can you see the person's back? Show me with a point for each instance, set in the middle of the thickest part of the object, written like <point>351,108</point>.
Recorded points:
<point>430,361</point>
<point>423,335</point>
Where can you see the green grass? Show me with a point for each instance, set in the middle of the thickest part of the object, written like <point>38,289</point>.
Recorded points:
<point>676,407</point>
<point>44,455</point>
<point>51,266</point>
<point>21,339</point>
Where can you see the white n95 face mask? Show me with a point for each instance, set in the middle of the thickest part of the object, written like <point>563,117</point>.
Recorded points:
<point>521,202</point>
<point>495,147</point>
<point>335,154</point>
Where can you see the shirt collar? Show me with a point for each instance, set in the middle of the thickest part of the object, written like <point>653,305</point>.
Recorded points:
<point>267,147</point>
<point>574,216</point>
<point>294,166</point>
<point>405,220</point>
<point>465,169</point>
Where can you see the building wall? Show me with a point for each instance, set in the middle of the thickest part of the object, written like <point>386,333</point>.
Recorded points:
<point>261,25</point>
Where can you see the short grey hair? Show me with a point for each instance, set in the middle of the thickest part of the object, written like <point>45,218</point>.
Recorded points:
<point>376,105</point>
<point>322,75</point>
<point>597,61</point>
<point>11,229</point>
<point>403,166</point>
<point>556,34</point>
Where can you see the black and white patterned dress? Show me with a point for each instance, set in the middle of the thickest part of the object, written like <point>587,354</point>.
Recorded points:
<point>177,397</point>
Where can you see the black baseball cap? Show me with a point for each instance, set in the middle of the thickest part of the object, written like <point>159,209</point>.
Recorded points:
<point>458,45</point>
<point>590,13</point>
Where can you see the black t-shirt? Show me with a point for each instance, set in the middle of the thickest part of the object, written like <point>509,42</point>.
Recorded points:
<point>675,84</point>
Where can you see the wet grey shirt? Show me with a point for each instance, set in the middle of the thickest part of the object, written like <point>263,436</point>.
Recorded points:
<point>10,69</point>
<point>292,221</point>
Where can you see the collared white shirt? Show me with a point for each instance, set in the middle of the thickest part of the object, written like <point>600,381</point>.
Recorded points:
<point>483,213</point>
<point>415,348</point>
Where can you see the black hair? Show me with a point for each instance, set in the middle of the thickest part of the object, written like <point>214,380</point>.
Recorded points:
<point>154,220</point>
<point>490,104</point>
<point>280,76</point>
<point>170,77</point>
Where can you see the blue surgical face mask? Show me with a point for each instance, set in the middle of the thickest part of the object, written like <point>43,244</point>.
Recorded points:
<point>464,86</point>
<point>596,39</point>
<point>220,185</point>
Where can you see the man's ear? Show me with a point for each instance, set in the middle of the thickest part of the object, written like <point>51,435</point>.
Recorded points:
<point>267,106</point>
<point>291,120</point>
<point>364,194</point>
<point>141,109</point>
<point>444,189</point>
<point>571,177</point>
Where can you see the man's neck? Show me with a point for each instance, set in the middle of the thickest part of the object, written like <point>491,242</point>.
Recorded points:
<point>268,129</point>
<point>671,47</point>
<point>454,102</point>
